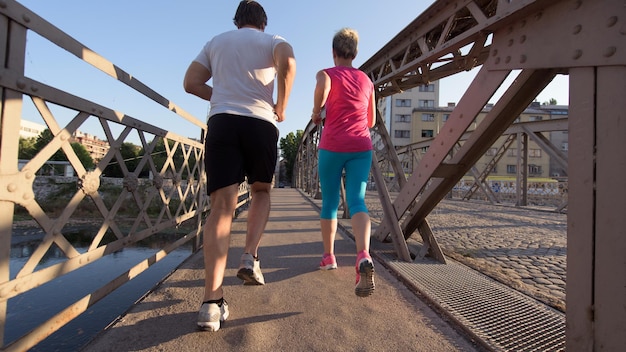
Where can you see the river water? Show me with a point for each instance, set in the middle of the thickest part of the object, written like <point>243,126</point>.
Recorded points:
<point>34,307</point>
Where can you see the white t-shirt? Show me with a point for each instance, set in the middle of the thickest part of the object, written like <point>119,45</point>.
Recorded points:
<point>241,62</point>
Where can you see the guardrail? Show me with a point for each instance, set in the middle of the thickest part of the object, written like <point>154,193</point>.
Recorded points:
<point>140,207</point>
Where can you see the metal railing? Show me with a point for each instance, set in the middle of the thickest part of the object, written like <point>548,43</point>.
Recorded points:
<point>138,208</point>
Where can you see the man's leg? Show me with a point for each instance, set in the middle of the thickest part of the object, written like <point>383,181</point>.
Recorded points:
<point>217,238</point>
<point>258,213</point>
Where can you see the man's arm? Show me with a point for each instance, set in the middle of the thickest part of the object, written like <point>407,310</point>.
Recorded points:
<point>285,62</point>
<point>195,81</point>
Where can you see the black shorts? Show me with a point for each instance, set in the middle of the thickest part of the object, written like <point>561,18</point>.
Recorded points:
<point>237,147</point>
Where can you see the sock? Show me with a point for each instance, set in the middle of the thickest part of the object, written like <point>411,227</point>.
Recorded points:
<point>218,301</point>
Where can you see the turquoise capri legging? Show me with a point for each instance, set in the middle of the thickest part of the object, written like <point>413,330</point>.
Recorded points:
<point>331,166</point>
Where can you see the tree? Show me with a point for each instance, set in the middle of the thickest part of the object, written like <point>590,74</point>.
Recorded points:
<point>551,102</point>
<point>43,139</point>
<point>130,154</point>
<point>289,150</point>
<point>30,148</point>
<point>159,156</point>
<point>83,155</point>
<point>26,149</point>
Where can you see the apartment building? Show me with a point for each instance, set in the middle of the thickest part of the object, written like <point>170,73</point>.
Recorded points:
<point>96,147</point>
<point>29,129</point>
<point>397,111</point>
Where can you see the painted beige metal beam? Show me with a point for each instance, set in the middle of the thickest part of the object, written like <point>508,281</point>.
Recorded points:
<point>12,56</point>
<point>429,48</point>
<point>581,230</point>
<point>610,207</point>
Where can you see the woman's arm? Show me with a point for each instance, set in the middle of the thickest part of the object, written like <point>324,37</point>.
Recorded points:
<point>322,88</point>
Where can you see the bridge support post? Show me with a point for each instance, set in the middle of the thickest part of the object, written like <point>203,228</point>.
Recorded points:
<point>596,241</point>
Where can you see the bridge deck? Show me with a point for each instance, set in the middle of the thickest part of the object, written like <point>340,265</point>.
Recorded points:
<point>302,308</point>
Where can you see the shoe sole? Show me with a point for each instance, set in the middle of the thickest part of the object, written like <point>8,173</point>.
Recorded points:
<point>248,277</point>
<point>365,287</point>
<point>328,267</point>
<point>210,326</point>
<point>213,325</point>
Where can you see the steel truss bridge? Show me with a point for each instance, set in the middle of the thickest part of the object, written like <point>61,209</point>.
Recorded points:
<point>533,39</point>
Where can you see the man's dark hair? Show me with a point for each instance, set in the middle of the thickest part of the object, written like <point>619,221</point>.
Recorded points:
<point>250,12</point>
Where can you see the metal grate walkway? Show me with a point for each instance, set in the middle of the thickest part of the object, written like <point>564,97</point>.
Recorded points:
<point>502,318</point>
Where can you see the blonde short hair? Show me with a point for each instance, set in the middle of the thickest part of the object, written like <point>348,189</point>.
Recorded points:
<point>345,43</point>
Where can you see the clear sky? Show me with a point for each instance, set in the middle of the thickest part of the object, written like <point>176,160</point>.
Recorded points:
<point>155,40</point>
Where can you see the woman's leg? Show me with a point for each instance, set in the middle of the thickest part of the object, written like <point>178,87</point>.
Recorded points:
<point>330,167</point>
<point>357,175</point>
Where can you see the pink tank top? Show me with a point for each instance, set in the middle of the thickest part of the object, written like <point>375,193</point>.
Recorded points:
<point>345,128</point>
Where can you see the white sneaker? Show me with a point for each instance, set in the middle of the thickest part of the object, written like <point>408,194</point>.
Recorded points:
<point>211,314</point>
<point>250,270</point>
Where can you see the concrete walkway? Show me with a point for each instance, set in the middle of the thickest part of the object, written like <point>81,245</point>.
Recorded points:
<point>299,309</point>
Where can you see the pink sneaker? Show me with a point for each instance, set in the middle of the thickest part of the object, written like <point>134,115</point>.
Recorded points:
<point>328,262</point>
<point>364,275</point>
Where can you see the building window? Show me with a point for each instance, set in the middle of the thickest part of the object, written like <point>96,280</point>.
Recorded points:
<point>445,117</point>
<point>535,118</point>
<point>428,133</point>
<point>512,152</point>
<point>534,169</point>
<point>403,102</point>
<point>511,169</point>
<point>403,118</point>
<point>427,88</point>
<point>402,134</point>
<point>428,117</point>
<point>491,152</point>
<point>534,153</point>
<point>565,146</point>
<point>426,103</point>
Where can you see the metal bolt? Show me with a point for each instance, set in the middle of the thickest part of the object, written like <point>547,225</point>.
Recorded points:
<point>610,51</point>
<point>612,21</point>
<point>26,18</point>
<point>522,59</point>
<point>522,39</point>
<point>577,54</point>
<point>507,59</point>
<point>12,187</point>
<point>21,84</point>
<point>577,29</point>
